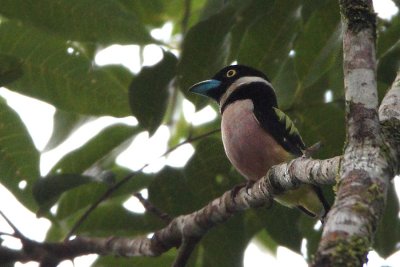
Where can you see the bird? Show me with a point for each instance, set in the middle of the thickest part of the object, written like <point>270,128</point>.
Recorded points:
<point>256,134</point>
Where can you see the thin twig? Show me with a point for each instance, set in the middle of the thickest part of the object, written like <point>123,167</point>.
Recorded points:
<point>190,140</point>
<point>185,250</point>
<point>101,199</point>
<point>17,233</point>
<point>126,179</point>
<point>153,209</point>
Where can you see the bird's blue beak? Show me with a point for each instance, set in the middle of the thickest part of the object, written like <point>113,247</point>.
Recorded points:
<point>206,88</point>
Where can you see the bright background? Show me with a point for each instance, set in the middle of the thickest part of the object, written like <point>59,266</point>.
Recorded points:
<point>38,117</point>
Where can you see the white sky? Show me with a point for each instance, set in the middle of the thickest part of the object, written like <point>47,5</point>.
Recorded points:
<point>30,110</point>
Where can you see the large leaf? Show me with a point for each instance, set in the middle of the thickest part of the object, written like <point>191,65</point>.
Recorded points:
<point>68,81</point>
<point>267,42</point>
<point>77,200</point>
<point>314,56</point>
<point>19,159</point>
<point>205,51</point>
<point>101,21</point>
<point>10,69</point>
<point>387,238</point>
<point>324,123</point>
<point>47,190</point>
<point>388,36</point>
<point>282,225</point>
<point>209,173</point>
<point>97,148</point>
<point>128,223</point>
<point>65,123</point>
<point>217,243</point>
<point>148,92</point>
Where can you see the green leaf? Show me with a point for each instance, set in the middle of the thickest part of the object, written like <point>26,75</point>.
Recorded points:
<point>325,123</point>
<point>169,190</point>
<point>19,159</point>
<point>205,51</point>
<point>209,173</point>
<point>218,239</point>
<point>47,190</point>
<point>128,223</point>
<point>10,69</point>
<point>97,148</point>
<point>268,40</point>
<point>388,233</point>
<point>282,225</point>
<point>306,226</point>
<point>149,12</point>
<point>388,65</point>
<point>148,92</point>
<point>318,44</point>
<point>68,81</point>
<point>285,83</point>
<point>65,123</point>
<point>77,200</point>
<point>101,21</point>
<point>388,35</point>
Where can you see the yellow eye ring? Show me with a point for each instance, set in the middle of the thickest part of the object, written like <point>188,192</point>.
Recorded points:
<point>230,73</point>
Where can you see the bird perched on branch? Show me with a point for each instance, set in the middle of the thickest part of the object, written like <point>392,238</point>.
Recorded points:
<point>256,134</point>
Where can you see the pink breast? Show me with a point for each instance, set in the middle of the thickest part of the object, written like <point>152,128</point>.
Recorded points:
<point>248,146</point>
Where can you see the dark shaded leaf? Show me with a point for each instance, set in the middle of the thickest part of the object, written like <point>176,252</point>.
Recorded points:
<point>388,65</point>
<point>148,92</point>
<point>79,199</point>
<point>128,223</point>
<point>268,40</point>
<point>47,190</point>
<point>388,35</point>
<point>205,51</point>
<point>19,159</point>
<point>306,225</point>
<point>217,243</point>
<point>68,81</point>
<point>101,21</point>
<point>209,173</point>
<point>317,47</point>
<point>169,190</point>
<point>325,123</point>
<point>10,69</point>
<point>388,233</point>
<point>285,83</point>
<point>282,225</point>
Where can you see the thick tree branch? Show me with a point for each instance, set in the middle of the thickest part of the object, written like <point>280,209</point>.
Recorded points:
<point>389,115</point>
<point>365,173</point>
<point>186,230</point>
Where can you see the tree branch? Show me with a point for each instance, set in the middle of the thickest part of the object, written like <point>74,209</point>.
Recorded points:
<point>186,230</point>
<point>365,173</point>
<point>124,180</point>
<point>389,115</point>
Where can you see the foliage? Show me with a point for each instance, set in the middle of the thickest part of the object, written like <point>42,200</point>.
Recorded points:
<point>47,51</point>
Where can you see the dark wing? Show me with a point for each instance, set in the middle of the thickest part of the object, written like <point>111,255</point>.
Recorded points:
<point>281,127</point>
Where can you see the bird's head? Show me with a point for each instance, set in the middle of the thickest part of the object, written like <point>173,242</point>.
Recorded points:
<point>227,80</point>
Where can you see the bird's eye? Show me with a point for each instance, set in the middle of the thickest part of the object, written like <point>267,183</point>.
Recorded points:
<point>230,73</point>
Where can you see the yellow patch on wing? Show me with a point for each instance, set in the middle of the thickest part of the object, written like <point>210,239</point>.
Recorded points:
<point>284,119</point>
